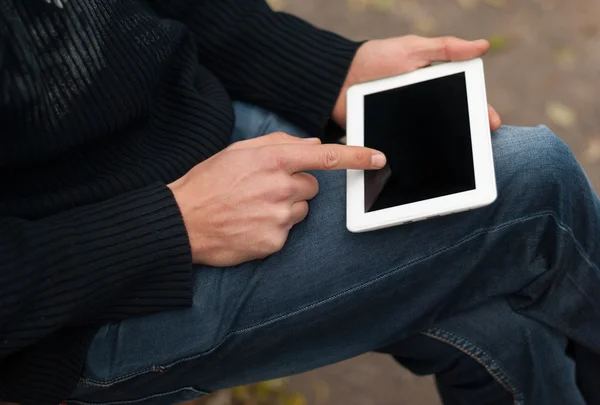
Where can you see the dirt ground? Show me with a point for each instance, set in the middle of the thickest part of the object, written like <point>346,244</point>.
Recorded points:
<point>544,69</point>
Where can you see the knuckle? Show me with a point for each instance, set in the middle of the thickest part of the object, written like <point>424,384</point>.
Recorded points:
<point>314,184</point>
<point>275,242</point>
<point>280,160</point>
<point>330,159</point>
<point>264,154</point>
<point>281,136</point>
<point>305,208</point>
<point>285,188</point>
<point>273,158</point>
<point>278,194</point>
<point>284,216</point>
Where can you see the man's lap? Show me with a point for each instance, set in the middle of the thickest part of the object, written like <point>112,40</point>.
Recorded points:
<point>329,294</point>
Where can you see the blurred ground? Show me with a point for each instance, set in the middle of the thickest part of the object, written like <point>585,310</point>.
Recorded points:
<point>544,69</point>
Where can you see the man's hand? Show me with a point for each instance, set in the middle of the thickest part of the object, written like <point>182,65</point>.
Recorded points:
<point>240,204</point>
<point>388,57</point>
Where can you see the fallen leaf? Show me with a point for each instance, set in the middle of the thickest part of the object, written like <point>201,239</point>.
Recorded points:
<point>498,42</point>
<point>295,399</point>
<point>561,115</point>
<point>592,153</point>
<point>384,5</point>
<point>241,394</point>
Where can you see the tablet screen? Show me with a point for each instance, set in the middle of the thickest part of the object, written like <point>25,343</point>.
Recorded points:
<point>424,131</point>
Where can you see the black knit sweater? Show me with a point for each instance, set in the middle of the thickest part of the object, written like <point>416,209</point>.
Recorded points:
<point>102,103</point>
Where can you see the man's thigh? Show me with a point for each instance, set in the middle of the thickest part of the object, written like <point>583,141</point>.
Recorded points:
<point>329,294</point>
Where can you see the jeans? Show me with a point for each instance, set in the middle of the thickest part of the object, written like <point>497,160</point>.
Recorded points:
<point>488,300</point>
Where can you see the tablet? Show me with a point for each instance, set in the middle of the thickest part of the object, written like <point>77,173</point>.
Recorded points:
<point>433,126</point>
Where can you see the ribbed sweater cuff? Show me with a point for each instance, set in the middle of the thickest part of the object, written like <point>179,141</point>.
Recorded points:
<point>126,256</point>
<point>130,254</point>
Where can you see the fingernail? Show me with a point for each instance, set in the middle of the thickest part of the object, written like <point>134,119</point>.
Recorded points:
<point>378,160</point>
<point>311,139</point>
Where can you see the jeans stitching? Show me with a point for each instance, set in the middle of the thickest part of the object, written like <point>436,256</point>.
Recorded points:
<point>500,376</point>
<point>481,232</point>
<point>133,401</point>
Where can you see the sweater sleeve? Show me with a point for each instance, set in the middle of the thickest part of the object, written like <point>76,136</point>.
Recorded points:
<point>127,255</point>
<point>268,58</point>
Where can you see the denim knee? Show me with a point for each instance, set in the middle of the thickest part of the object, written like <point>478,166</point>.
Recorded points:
<point>534,166</point>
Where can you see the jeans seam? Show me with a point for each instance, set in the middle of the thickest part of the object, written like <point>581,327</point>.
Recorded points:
<point>484,359</point>
<point>481,232</point>
<point>133,401</point>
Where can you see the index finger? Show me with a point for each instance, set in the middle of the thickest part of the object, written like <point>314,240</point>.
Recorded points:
<point>299,158</point>
<point>270,139</point>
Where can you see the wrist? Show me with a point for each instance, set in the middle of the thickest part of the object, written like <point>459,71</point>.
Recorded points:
<point>184,207</point>
<point>190,205</point>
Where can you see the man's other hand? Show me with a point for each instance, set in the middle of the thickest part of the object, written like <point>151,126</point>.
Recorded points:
<point>377,59</point>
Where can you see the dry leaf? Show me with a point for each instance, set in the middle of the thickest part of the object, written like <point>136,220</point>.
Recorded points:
<point>383,5</point>
<point>592,153</point>
<point>561,115</point>
<point>241,394</point>
<point>294,399</point>
<point>498,42</point>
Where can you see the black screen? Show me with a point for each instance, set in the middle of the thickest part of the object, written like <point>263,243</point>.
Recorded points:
<point>424,131</point>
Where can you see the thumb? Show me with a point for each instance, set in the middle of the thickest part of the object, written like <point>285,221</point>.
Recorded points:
<point>446,49</point>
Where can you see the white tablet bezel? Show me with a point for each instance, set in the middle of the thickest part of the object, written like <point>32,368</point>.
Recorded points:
<point>357,220</point>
